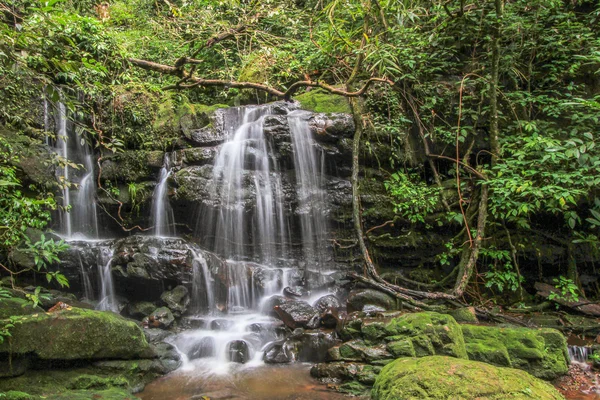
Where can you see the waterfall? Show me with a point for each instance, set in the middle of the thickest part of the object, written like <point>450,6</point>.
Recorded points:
<point>78,218</point>
<point>247,222</point>
<point>88,290</point>
<point>63,150</point>
<point>108,300</point>
<point>162,213</point>
<point>310,192</point>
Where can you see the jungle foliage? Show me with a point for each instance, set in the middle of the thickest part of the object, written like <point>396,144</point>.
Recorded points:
<point>460,73</point>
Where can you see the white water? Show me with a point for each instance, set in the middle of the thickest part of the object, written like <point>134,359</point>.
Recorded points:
<point>249,224</point>
<point>107,298</point>
<point>79,219</point>
<point>162,213</point>
<point>311,195</point>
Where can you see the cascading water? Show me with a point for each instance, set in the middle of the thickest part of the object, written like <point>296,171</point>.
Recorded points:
<point>310,193</point>
<point>162,213</point>
<point>79,218</point>
<point>247,223</point>
<point>107,298</point>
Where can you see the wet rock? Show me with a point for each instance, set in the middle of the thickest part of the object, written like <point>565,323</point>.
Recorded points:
<point>177,300</point>
<point>221,324</point>
<point>155,335</point>
<point>198,155</point>
<point>330,318</point>
<point>359,299</point>
<point>314,322</point>
<point>205,347</point>
<point>327,302</point>
<point>294,292</point>
<point>140,309</point>
<point>313,346</point>
<point>268,307</point>
<point>281,352</point>
<point>296,314</point>
<point>442,377</point>
<point>160,318</point>
<point>238,351</point>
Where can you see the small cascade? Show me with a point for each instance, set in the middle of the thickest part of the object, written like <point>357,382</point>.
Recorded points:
<point>162,213</point>
<point>85,216</point>
<point>86,283</point>
<point>107,298</point>
<point>310,193</point>
<point>580,354</point>
<point>202,295</point>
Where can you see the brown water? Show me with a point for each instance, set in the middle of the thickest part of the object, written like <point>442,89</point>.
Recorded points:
<point>265,382</point>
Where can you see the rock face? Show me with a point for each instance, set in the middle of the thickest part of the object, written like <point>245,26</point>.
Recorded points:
<point>439,377</point>
<point>542,353</point>
<point>76,334</point>
<point>177,300</point>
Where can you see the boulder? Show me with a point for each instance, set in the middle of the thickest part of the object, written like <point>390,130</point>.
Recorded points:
<point>238,351</point>
<point>73,334</point>
<point>330,318</point>
<point>177,300</point>
<point>13,306</point>
<point>160,318</point>
<point>440,377</point>
<point>205,347</point>
<point>140,309</point>
<point>296,314</point>
<point>430,333</point>
<point>325,302</point>
<point>541,352</point>
<point>358,299</point>
<point>464,314</point>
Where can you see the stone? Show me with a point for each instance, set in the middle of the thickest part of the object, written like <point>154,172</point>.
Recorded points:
<point>325,302</point>
<point>358,299</point>
<point>205,347</point>
<point>14,306</point>
<point>76,334</point>
<point>177,300</point>
<point>464,315</point>
<point>441,377</point>
<point>160,318</point>
<point>330,318</point>
<point>296,314</point>
<point>429,332</point>
<point>238,351</point>
<point>140,309</point>
<point>541,352</point>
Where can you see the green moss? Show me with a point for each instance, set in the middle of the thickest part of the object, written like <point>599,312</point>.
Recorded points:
<point>352,350</point>
<point>108,394</point>
<point>15,395</point>
<point>354,388</point>
<point>439,377</point>
<point>402,348</point>
<point>86,382</point>
<point>429,332</point>
<point>465,314</point>
<point>373,331</point>
<point>322,102</point>
<point>15,306</point>
<point>76,334</point>
<point>543,353</point>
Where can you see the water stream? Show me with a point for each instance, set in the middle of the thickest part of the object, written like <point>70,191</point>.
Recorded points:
<point>162,213</point>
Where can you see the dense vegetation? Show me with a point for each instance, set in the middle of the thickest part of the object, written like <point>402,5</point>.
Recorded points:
<point>487,110</point>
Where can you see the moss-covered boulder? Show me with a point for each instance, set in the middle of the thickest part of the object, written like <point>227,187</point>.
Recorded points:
<point>74,334</point>
<point>320,101</point>
<point>14,306</point>
<point>541,352</point>
<point>428,333</point>
<point>365,299</point>
<point>439,377</point>
<point>132,166</point>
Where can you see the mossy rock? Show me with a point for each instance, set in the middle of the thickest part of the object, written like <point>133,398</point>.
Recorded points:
<point>76,334</point>
<point>16,395</point>
<point>429,332</point>
<point>464,314</point>
<point>541,352</point>
<point>32,158</point>
<point>440,377</point>
<point>318,100</point>
<point>132,166</point>
<point>14,306</point>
